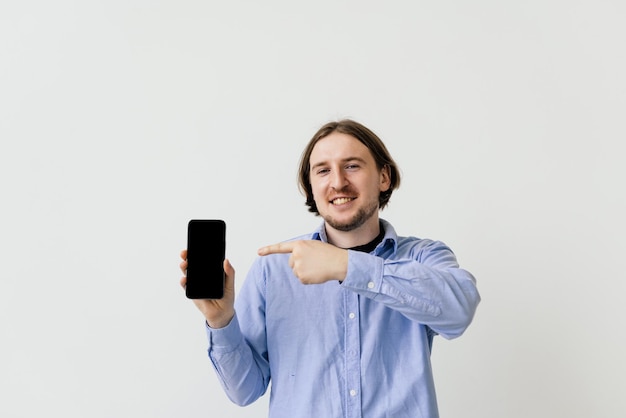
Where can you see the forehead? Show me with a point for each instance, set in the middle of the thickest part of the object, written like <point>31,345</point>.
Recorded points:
<point>338,147</point>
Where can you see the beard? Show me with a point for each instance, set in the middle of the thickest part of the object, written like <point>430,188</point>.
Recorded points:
<point>362,215</point>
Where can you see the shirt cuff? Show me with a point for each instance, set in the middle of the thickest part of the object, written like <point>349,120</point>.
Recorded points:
<point>365,272</point>
<point>224,339</point>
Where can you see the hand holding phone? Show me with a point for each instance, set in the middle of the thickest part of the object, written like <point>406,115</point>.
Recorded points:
<point>206,249</point>
<point>217,312</point>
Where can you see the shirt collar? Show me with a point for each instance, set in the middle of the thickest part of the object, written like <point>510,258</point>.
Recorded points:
<point>390,236</point>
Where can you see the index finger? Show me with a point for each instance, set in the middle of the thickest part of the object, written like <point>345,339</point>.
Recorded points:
<point>280,248</point>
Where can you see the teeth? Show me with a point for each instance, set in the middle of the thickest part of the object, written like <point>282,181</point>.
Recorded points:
<point>341,200</point>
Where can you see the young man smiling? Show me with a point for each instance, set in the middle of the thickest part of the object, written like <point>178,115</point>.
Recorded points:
<point>341,321</point>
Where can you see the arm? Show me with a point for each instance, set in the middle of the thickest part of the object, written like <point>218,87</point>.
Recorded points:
<point>426,285</point>
<point>242,371</point>
<point>238,351</point>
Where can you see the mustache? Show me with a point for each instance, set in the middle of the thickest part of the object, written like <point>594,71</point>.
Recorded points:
<point>345,190</point>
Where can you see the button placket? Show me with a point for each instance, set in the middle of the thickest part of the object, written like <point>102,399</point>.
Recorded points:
<point>353,355</point>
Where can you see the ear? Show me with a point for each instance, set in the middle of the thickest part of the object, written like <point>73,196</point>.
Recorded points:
<point>385,178</point>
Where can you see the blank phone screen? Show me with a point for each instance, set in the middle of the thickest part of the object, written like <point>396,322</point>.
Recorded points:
<point>206,244</point>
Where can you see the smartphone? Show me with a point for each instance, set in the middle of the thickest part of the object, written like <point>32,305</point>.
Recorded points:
<point>206,249</point>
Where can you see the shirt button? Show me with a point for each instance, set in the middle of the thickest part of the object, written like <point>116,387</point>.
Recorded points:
<point>370,285</point>
<point>353,392</point>
<point>351,315</point>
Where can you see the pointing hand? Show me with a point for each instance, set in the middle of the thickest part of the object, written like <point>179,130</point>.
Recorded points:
<point>312,261</point>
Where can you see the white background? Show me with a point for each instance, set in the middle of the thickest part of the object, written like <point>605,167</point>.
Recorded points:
<point>121,120</point>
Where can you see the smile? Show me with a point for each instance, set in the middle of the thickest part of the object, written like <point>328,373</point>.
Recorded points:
<point>341,200</point>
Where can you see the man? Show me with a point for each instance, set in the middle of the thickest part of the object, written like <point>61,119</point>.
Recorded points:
<point>341,320</point>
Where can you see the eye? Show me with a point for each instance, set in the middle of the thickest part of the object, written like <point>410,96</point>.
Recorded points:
<point>352,167</point>
<point>322,171</point>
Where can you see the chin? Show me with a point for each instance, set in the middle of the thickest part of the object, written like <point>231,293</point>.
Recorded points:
<point>346,225</point>
<point>356,220</point>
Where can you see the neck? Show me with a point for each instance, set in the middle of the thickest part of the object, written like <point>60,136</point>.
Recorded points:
<point>359,236</point>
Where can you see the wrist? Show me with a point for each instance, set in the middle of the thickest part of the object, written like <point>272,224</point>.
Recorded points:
<point>221,321</point>
<point>342,266</point>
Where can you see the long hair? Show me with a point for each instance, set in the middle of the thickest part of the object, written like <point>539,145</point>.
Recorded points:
<point>366,137</point>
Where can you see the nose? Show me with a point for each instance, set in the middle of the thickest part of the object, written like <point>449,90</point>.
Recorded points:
<point>338,179</point>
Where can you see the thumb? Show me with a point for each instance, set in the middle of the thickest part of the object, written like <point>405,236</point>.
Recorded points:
<point>230,273</point>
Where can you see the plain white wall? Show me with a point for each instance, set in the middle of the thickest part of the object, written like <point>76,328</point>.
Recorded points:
<point>121,120</point>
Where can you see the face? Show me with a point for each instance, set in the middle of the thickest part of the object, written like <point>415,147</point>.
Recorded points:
<point>346,182</point>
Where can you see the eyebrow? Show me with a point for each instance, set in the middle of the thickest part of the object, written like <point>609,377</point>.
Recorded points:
<point>344,160</point>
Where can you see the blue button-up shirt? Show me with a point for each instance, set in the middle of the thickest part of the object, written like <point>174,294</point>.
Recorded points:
<point>360,348</point>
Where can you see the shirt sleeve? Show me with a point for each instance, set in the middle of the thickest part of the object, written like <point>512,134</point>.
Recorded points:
<point>239,360</point>
<point>426,285</point>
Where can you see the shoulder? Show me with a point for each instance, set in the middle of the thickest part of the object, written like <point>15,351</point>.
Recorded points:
<point>420,244</point>
<point>425,250</point>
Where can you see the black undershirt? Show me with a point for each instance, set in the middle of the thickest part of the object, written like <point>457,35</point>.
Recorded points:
<point>369,247</point>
